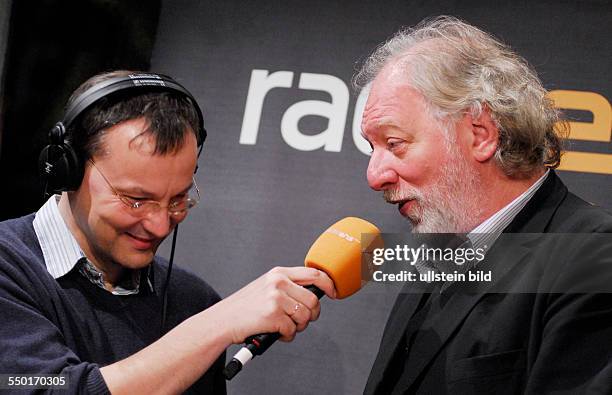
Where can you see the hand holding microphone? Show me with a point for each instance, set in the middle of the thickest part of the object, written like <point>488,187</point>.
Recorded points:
<point>337,253</point>
<point>274,302</point>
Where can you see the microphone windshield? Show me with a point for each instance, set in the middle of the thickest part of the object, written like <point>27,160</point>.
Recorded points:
<point>343,251</point>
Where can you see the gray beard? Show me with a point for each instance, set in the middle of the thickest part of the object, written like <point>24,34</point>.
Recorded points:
<point>450,205</point>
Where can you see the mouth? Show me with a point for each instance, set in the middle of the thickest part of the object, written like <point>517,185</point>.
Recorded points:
<point>405,206</point>
<point>141,243</point>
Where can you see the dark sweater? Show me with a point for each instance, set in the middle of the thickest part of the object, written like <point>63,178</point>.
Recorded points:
<point>71,326</point>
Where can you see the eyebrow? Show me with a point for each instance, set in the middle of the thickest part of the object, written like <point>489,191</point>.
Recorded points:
<point>384,121</point>
<point>380,123</point>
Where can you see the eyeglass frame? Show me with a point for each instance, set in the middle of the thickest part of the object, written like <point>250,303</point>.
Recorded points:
<point>133,204</point>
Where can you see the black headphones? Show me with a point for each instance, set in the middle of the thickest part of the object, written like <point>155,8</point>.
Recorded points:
<point>59,164</point>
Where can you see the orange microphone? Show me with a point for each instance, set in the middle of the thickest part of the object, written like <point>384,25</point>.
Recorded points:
<point>342,252</point>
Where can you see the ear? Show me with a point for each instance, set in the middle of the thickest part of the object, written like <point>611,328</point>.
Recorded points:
<point>484,133</point>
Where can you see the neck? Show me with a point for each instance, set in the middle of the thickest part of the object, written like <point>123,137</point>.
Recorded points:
<point>111,271</point>
<point>499,190</point>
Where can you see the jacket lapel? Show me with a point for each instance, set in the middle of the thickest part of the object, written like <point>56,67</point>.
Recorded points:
<point>391,343</point>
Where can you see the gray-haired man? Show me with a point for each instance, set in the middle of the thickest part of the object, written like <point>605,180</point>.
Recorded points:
<point>464,140</point>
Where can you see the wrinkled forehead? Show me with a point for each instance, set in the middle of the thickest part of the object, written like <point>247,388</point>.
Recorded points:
<point>390,98</point>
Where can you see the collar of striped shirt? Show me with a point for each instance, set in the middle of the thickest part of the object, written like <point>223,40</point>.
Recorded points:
<point>62,252</point>
<point>485,234</point>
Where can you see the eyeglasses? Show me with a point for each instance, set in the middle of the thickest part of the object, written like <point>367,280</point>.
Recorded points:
<point>144,207</point>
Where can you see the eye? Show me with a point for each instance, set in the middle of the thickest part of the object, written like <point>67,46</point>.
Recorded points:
<point>134,202</point>
<point>134,198</point>
<point>394,143</point>
<point>174,205</point>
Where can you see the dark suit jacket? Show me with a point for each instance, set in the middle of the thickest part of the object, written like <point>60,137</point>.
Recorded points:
<point>542,326</point>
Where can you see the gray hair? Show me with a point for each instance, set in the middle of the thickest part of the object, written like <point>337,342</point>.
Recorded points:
<point>457,68</point>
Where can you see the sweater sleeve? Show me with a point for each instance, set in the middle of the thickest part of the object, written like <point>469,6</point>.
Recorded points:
<point>30,342</point>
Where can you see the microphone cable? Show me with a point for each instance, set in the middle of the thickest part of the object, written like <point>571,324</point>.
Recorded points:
<point>166,283</point>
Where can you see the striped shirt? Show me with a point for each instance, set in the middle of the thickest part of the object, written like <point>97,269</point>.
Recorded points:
<point>62,253</point>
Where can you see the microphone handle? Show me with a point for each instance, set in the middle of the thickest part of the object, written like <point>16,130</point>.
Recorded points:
<point>257,345</point>
<point>315,290</point>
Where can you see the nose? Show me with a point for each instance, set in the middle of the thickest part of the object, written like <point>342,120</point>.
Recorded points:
<point>380,171</point>
<point>158,223</point>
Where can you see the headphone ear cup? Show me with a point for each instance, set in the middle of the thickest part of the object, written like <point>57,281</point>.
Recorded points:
<point>74,168</point>
<point>58,163</point>
<point>52,167</point>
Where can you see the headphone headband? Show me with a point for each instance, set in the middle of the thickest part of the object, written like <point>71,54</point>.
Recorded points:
<point>148,82</point>
<point>60,165</point>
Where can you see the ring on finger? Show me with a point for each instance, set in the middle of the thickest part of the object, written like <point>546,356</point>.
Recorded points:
<point>296,308</point>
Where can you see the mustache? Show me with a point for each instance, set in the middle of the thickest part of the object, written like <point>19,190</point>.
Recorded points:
<point>394,196</point>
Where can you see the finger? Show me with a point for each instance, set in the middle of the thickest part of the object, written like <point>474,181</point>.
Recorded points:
<point>287,338</point>
<point>314,313</point>
<point>322,281</point>
<point>301,327</point>
<point>305,297</point>
<point>299,313</point>
<point>306,276</point>
<point>287,329</point>
<point>300,294</point>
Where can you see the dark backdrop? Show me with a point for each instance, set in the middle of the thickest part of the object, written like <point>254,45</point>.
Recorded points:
<point>53,46</point>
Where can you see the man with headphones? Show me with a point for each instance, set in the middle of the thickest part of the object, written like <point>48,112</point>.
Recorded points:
<point>82,293</point>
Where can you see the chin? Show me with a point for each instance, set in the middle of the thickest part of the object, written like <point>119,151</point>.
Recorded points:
<point>132,260</point>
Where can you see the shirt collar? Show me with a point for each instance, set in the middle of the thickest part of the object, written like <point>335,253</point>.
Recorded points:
<point>60,249</point>
<point>62,252</point>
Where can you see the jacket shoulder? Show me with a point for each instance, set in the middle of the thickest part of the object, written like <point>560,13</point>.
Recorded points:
<point>575,215</point>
